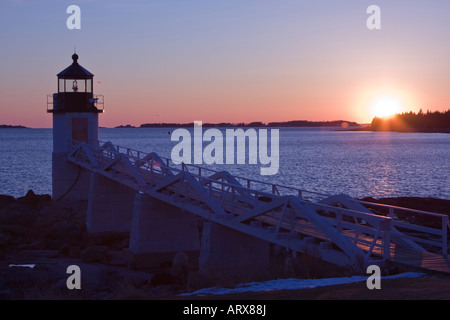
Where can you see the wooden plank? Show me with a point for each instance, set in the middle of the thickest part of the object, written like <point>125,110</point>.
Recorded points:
<point>426,261</point>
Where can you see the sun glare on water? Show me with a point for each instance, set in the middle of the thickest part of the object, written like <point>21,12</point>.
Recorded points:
<point>386,107</point>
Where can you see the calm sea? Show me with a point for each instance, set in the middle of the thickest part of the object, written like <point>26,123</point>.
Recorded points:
<point>377,164</point>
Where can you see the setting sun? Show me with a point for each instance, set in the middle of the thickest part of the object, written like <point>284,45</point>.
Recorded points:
<point>386,107</point>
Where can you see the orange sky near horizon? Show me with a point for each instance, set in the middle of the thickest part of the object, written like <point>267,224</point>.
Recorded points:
<point>227,61</point>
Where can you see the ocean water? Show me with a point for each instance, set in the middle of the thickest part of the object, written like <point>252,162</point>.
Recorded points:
<point>360,164</point>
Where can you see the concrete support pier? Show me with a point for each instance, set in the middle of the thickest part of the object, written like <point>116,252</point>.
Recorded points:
<point>230,254</point>
<point>110,205</point>
<point>159,231</point>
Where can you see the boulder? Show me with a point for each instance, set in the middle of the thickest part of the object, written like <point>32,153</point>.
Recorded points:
<point>94,254</point>
<point>163,279</point>
<point>5,201</point>
<point>180,265</point>
<point>14,229</point>
<point>33,199</point>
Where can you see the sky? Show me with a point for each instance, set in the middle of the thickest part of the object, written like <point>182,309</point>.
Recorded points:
<point>227,60</point>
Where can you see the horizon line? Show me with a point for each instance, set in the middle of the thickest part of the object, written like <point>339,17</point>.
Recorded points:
<point>18,126</point>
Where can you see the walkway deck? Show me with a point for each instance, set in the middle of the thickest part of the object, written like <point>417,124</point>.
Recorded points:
<point>421,261</point>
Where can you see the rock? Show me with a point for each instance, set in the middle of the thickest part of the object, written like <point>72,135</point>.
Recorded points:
<point>70,251</point>
<point>111,239</point>
<point>5,240</point>
<point>33,254</point>
<point>74,252</point>
<point>110,281</point>
<point>163,279</point>
<point>60,285</point>
<point>162,291</point>
<point>138,282</point>
<point>13,229</point>
<point>118,259</point>
<point>94,254</point>
<point>181,258</point>
<point>18,214</point>
<point>49,210</point>
<point>65,232</point>
<point>32,199</point>
<point>180,266</point>
<point>6,200</point>
<point>5,294</point>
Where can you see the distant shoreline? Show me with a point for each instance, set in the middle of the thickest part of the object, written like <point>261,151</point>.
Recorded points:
<point>421,122</point>
<point>7,126</point>
<point>288,124</point>
<point>353,128</point>
<point>435,130</point>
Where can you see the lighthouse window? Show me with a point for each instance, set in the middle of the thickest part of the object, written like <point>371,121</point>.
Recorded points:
<point>88,85</point>
<point>61,87</point>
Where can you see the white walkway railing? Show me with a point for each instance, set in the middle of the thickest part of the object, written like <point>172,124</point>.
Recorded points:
<point>280,214</point>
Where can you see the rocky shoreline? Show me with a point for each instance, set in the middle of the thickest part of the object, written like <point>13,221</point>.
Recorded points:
<point>40,238</point>
<point>34,230</point>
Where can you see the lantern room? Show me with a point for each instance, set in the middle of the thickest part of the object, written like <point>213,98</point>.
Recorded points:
<point>75,91</point>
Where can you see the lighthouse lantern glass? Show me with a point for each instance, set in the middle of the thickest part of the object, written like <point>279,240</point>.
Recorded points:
<point>75,85</point>
<point>88,85</point>
<point>61,85</point>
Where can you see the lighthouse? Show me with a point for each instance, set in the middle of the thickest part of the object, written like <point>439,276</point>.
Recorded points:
<point>75,111</point>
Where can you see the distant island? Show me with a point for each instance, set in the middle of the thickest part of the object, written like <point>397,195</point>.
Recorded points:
<point>429,122</point>
<point>7,126</point>
<point>288,124</point>
<point>126,126</point>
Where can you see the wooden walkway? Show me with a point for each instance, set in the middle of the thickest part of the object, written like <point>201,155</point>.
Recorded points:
<point>421,261</point>
<point>278,214</point>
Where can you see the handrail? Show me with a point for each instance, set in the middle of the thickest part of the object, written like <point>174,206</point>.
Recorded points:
<point>98,100</point>
<point>201,169</point>
<point>271,185</point>
<point>442,231</point>
<point>402,208</point>
<point>274,186</point>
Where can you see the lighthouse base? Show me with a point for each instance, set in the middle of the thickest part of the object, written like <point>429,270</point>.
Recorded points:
<point>69,181</point>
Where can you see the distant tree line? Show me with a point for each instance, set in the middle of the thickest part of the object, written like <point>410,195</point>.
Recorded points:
<point>304,123</point>
<point>294,123</point>
<point>414,122</point>
<point>7,126</point>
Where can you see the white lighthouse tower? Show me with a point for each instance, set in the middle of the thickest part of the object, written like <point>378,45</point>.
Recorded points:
<point>75,112</point>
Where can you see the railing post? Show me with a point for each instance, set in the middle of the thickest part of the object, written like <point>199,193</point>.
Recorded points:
<point>391,212</point>
<point>444,235</point>
<point>274,189</point>
<point>387,227</point>
<point>233,207</point>
<point>339,220</point>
